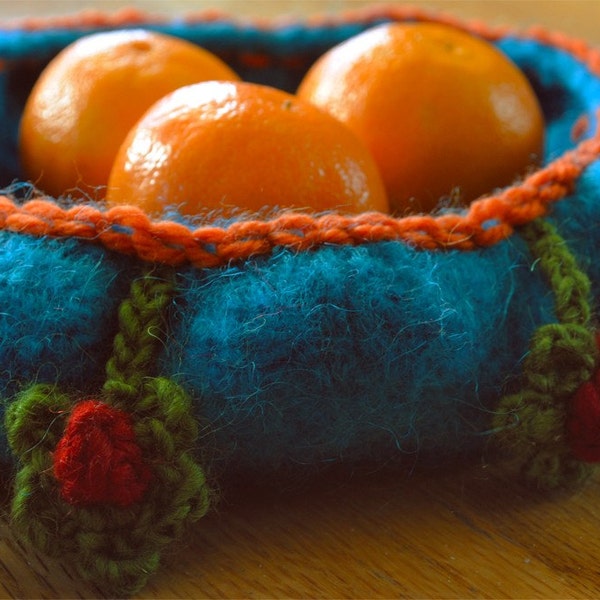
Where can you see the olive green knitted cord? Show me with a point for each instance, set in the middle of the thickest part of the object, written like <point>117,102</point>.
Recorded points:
<point>562,355</point>
<point>115,546</point>
<point>135,344</point>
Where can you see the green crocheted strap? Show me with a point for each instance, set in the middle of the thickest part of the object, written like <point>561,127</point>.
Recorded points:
<point>141,330</point>
<point>108,482</point>
<point>531,423</point>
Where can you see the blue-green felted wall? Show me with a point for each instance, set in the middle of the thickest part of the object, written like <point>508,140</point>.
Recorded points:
<point>354,353</point>
<point>343,353</point>
<point>57,304</point>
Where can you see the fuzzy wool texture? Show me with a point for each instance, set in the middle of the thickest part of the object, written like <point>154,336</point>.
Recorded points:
<point>57,305</point>
<point>344,354</point>
<point>354,353</point>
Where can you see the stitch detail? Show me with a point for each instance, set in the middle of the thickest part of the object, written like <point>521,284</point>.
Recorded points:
<point>130,231</point>
<point>532,423</point>
<point>97,461</point>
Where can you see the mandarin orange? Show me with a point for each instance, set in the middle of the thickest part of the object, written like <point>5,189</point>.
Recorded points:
<point>92,93</point>
<point>238,146</point>
<point>440,109</point>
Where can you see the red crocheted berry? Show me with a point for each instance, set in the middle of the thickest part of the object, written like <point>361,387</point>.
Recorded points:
<point>583,425</point>
<point>97,461</point>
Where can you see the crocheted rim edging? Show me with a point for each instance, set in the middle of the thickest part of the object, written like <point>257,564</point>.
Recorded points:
<point>109,481</point>
<point>128,230</point>
<point>485,222</point>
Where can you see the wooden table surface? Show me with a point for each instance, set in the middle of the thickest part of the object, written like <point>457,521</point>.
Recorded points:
<point>466,532</point>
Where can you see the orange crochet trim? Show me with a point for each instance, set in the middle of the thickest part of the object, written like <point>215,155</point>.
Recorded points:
<point>129,230</point>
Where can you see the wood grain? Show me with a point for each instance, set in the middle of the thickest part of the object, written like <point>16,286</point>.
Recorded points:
<point>468,532</point>
<point>464,533</point>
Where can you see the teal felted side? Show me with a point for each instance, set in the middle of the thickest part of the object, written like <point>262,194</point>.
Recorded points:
<point>345,353</point>
<point>57,304</point>
<point>353,354</point>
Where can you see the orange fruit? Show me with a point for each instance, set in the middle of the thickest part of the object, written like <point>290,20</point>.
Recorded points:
<point>231,146</point>
<point>92,93</point>
<point>440,109</point>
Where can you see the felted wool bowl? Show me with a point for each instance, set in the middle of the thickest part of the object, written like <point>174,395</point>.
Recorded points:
<point>190,351</point>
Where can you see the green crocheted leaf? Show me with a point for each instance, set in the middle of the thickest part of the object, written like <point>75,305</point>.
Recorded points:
<point>34,421</point>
